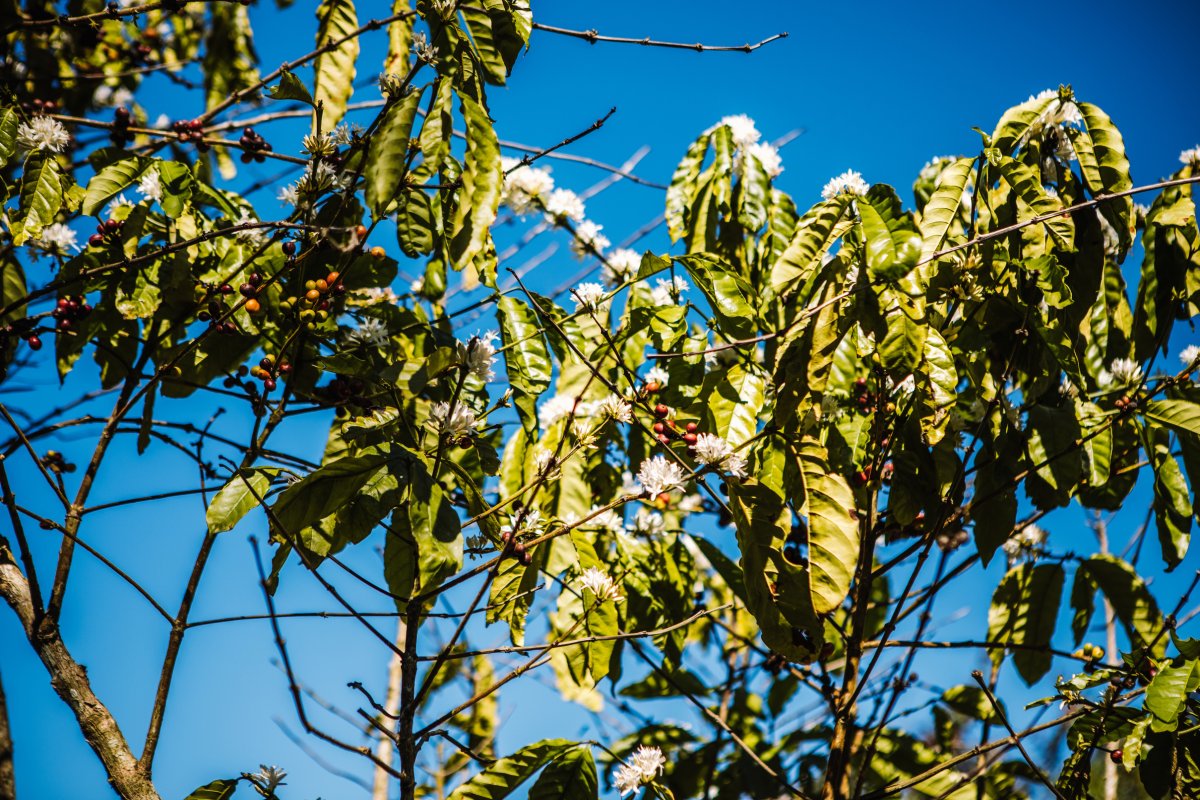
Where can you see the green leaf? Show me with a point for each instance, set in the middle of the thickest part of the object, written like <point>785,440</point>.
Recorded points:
<point>499,31</point>
<point>503,777</point>
<point>1034,201</point>
<point>399,39</point>
<point>1023,611</point>
<point>238,497</point>
<point>1167,693</point>
<point>9,123</point>
<point>290,88</point>
<point>1105,168</point>
<point>971,701</point>
<point>110,181</point>
<point>1131,600</point>
<point>334,70</point>
<point>41,195</point>
<point>571,776</point>
<point>1014,125</point>
<point>229,56</point>
<point>1181,416</point>
<point>217,790</point>
<point>1172,500</point>
<point>386,165</point>
<point>684,185</point>
<point>942,209</point>
<point>732,299</point>
<point>323,492</point>
<point>525,356</point>
<point>833,538</point>
<point>482,179</point>
<point>178,183</point>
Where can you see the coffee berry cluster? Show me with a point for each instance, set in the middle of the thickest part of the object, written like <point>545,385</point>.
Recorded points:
<point>191,130</point>
<point>269,370</point>
<point>68,310</point>
<point>515,548</point>
<point>254,147</point>
<point>120,130</point>
<point>313,306</point>
<point>211,296</point>
<point>668,430</point>
<point>106,232</point>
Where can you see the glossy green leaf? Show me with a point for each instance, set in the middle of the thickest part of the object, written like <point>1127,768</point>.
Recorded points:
<point>482,179</point>
<point>217,790</point>
<point>334,69</point>
<point>942,209</point>
<point>503,777</point>
<point>41,195</point>
<point>1167,692</point>
<point>525,356</point>
<point>833,537</point>
<point>290,88</point>
<point>387,164</point>
<point>571,776</point>
<point>815,232</point>
<point>1023,612</point>
<point>1132,602</point>
<point>110,181</point>
<point>236,498</point>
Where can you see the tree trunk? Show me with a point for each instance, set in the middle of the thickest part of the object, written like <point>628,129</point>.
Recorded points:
<point>70,680</point>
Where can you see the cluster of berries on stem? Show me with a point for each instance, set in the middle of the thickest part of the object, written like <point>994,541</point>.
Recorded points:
<point>313,306</point>
<point>515,548</point>
<point>191,130</point>
<point>68,310</point>
<point>106,232</point>
<point>254,147</point>
<point>212,296</point>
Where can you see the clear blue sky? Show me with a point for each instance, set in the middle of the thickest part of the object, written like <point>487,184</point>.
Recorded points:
<point>878,87</point>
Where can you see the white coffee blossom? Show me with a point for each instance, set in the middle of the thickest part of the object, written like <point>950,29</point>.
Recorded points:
<point>620,265</point>
<point>268,779</point>
<point>460,422</point>
<point>588,239</point>
<point>372,296</point>
<point>1189,355</point>
<point>667,292</point>
<point>42,133</point>
<point>658,475</point>
<point>563,204</point>
<point>344,134</point>
<point>321,176</point>
<point>554,409</point>
<point>56,238</point>
<point>691,504</point>
<point>479,354</point>
<point>601,585</point>
<point>531,523</point>
<point>1025,543</point>
<point>108,96</point>
<point>120,201</point>
<point>1121,372</point>
<point>545,464</point>
<point>1190,156</point>
<point>627,779</point>
<point>1057,112</point>
<point>766,154</point>
<point>250,236</point>
<point>150,186</point>
<point>289,195</point>
<point>616,408</point>
<point>648,522</point>
<point>649,761</point>
<point>524,186</point>
<point>657,375</point>
<point>742,129</point>
<point>370,332</point>
<point>714,451</point>
<point>588,295</point>
<point>849,182</point>
<point>1067,389</point>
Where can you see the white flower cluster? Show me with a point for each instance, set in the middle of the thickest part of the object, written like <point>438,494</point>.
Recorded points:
<point>562,405</point>
<point>746,137</point>
<point>1025,543</point>
<point>524,186</point>
<point>268,779</point>
<point>601,585</point>
<point>250,236</point>
<point>56,239</point>
<point>42,133</point>
<point>150,185</point>
<point>712,450</point>
<point>658,475</point>
<point>619,266</point>
<point>608,519</point>
<point>616,408</point>
<point>644,765</point>
<point>479,354</point>
<point>318,177</point>
<point>372,296</point>
<point>657,375</point>
<point>1058,112</point>
<point>459,422</point>
<point>1189,356</point>
<point>1121,372</point>
<point>588,295</point>
<point>648,522</point>
<point>588,239</point>
<point>370,332</point>
<point>849,182</point>
<point>667,292</point>
<point>1190,156</point>
<point>531,522</point>
<point>108,96</point>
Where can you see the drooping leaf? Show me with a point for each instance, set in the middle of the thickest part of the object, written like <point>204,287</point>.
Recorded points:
<point>1132,602</point>
<point>110,181</point>
<point>526,357</point>
<point>479,198</point>
<point>1023,612</point>
<point>833,538</point>
<point>217,790</point>
<point>942,209</point>
<point>502,778</point>
<point>334,69</point>
<point>386,165</point>
<point>238,497</point>
<point>571,776</point>
<point>290,88</point>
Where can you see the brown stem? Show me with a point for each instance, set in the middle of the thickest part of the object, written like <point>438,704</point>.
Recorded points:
<point>391,708</point>
<point>70,681</point>
<point>8,781</point>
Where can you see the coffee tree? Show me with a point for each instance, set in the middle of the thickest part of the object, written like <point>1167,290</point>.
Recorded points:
<point>766,449</point>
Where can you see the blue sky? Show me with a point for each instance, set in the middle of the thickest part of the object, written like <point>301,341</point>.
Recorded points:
<point>877,87</point>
